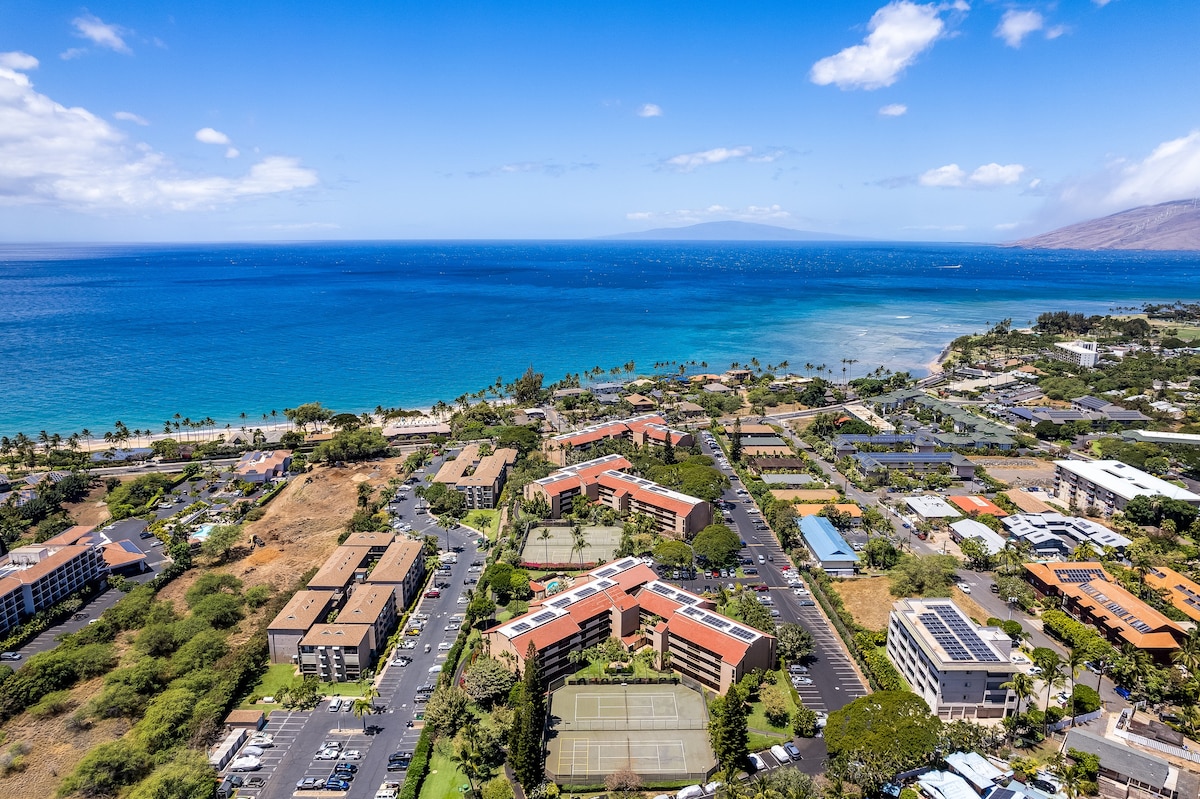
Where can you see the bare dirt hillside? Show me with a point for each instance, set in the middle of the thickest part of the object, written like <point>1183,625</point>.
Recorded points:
<point>1167,226</point>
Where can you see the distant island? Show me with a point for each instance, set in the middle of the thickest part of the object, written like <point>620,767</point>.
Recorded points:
<point>1166,226</point>
<point>727,231</point>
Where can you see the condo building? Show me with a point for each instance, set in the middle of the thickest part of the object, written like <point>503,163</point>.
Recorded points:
<point>648,429</point>
<point>1109,485</point>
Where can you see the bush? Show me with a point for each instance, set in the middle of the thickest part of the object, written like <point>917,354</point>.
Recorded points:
<point>804,722</point>
<point>52,704</point>
<point>418,768</point>
<point>107,769</point>
<point>1084,699</point>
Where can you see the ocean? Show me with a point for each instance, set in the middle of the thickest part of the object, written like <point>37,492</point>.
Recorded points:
<point>93,334</point>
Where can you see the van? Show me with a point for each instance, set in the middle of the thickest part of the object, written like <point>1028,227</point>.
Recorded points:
<point>335,704</point>
<point>780,754</point>
<point>434,669</point>
<point>690,792</point>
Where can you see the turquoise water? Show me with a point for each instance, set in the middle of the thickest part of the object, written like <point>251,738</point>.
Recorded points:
<point>201,534</point>
<point>90,335</point>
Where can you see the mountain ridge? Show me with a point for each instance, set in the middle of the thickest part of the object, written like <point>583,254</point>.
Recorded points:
<point>727,231</point>
<point>1171,225</point>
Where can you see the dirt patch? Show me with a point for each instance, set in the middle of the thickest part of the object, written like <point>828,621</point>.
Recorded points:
<point>300,528</point>
<point>869,600</point>
<point>54,749</point>
<point>969,606</point>
<point>1019,472</point>
<point>91,510</point>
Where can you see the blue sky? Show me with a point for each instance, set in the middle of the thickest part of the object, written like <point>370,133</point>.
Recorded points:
<point>950,121</point>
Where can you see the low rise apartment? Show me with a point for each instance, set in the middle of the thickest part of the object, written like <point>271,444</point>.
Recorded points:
<point>477,477</point>
<point>292,623</point>
<point>336,652</point>
<point>401,566</point>
<point>1090,595</point>
<point>374,606</point>
<point>1109,485</point>
<point>1052,534</point>
<point>35,577</point>
<point>1183,593</point>
<point>648,429</point>
<point>955,666</point>
<point>263,466</point>
<point>344,566</point>
<point>625,599</point>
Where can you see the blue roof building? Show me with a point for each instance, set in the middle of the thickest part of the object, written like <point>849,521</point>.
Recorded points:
<point>830,550</point>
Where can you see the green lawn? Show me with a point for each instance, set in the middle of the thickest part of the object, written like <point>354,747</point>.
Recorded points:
<point>486,521</point>
<point>444,779</point>
<point>758,720</point>
<point>597,670</point>
<point>277,676</point>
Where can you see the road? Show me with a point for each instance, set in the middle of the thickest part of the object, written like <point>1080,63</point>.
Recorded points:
<point>299,736</point>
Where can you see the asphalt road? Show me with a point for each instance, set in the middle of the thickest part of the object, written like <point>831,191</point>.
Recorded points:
<point>304,733</point>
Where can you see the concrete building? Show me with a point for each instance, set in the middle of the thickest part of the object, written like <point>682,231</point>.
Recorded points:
<point>263,466</point>
<point>478,477</point>
<point>1109,485</point>
<point>401,566</point>
<point>600,480</point>
<point>649,429</point>
<point>1183,593</point>
<point>829,549</point>
<point>48,572</point>
<point>336,652</point>
<point>962,529</point>
<point>625,600</point>
<point>345,566</point>
<point>876,464</point>
<point>292,623</point>
<point>1091,596</point>
<point>1078,353</point>
<point>374,606</point>
<point>956,667</point>
<point>930,506</point>
<point>1053,534</point>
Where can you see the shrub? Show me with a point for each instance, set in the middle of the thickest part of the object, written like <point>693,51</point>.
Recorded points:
<point>1084,699</point>
<point>804,722</point>
<point>54,703</point>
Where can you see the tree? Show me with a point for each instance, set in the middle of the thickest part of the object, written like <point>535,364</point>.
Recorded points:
<point>544,537</point>
<point>527,389</point>
<point>526,751</point>
<point>727,728</point>
<point>928,575</point>
<point>352,445</point>
<point>794,642</point>
<point>308,413</point>
<point>717,544</point>
<point>976,553</point>
<point>222,540</point>
<point>804,722</point>
<point>1051,664</point>
<point>1022,685</point>
<point>447,711</point>
<point>220,610</point>
<point>108,768</point>
<point>735,441</point>
<point>188,775</point>
<point>880,553</point>
<point>893,725</point>
<point>775,704</point>
<point>623,784</point>
<point>487,680</point>
<point>677,554</point>
<point>579,542</point>
<point>361,708</point>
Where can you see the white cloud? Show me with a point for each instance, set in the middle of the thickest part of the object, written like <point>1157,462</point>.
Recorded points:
<point>997,174</point>
<point>22,62</point>
<point>101,33</point>
<point>899,32</point>
<point>650,110</point>
<point>1170,172</point>
<point>210,136</point>
<point>893,110</point>
<point>232,152</point>
<point>1016,25</point>
<point>940,228</point>
<point>948,176</point>
<point>750,213</point>
<point>686,162</point>
<point>1102,3</point>
<point>70,158</point>
<point>129,116</point>
<point>1008,225</point>
<point>952,176</point>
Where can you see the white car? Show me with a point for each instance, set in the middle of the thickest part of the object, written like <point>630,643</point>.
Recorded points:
<point>246,764</point>
<point>966,589</point>
<point>1020,659</point>
<point>261,740</point>
<point>444,646</point>
<point>251,750</point>
<point>353,754</point>
<point>328,754</point>
<point>756,762</point>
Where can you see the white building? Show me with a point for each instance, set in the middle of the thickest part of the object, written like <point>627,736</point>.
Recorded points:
<point>1079,353</point>
<point>1051,534</point>
<point>928,506</point>
<point>956,667</point>
<point>1109,485</point>
<point>992,541</point>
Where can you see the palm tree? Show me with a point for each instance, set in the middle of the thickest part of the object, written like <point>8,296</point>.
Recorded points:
<point>544,537</point>
<point>761,787</point>
<point>1051,664</point>
<point>1076,657</point>
<point>468,757</point>
<point>362,708</point>
<point>87,434</point>
<point>1137,668</point>
<point>1023,686</point>
<point>578,542</point>
<point>1188,653</point>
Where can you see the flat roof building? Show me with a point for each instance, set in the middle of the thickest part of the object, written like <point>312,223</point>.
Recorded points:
<point>875,464</point>
<point>928,506</point>
<point>619,600</point>
<point>962,529</point>
<point>1079,353</point>
<point>336,652</point>
<point>1053,533</point>
<point>829,549</point>
<point>1109,485</point>
<point>955,666</point>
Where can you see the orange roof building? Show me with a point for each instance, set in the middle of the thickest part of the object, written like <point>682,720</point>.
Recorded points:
<point>634,429</point>
<point>1090,595</point>
<point>1183,593</point>
<point>976,504</point>
<point>620,600</point>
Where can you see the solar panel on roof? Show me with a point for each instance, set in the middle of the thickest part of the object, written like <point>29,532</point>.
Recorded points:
<point>659,588</point>
<point>625,564</point>
<point>742,633</point>
<point>520,627</point>
<point>560,603</point>
<point>587,590</point>
<point>608,572</point>
<point>717,622</point>
<point>541,618</point>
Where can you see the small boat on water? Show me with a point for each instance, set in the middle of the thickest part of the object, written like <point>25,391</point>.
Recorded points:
<point>949,266</point>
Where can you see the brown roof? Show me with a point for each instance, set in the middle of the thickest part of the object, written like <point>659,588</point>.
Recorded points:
<point>338,569</point>
<point>806,494</point>
<point>731,649</point>
<point>1184,594</point>
<point>244,718</point>
<point>302,610</point>
<point>547,634</point>
<point>367,604</point>
<point>758,430</point>
<point>978,504</point>
<point>8,585</point>
<point>638,399</point>
<point>452,471</point>
<point>69,536</point>
<point>1028,502</point>
<point>369,540</point>
<point>344,635</point>
<point>117,556</point>
<point>396,562</point>
<point>773,449</point>
<point>490,468</point>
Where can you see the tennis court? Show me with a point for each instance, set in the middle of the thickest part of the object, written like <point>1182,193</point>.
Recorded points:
<point>559,545</point>
<point>658,731</point>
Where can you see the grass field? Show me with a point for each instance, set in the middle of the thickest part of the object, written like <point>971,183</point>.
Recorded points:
<point>485,521</point>
<point>277,676</point>
<point>444,779</point>
<point>969,606</point>
<point>868,599</point>
<point>757,719</point>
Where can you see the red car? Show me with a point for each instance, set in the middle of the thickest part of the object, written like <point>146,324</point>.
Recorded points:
<point>762,587</point>
<point>433,594</point>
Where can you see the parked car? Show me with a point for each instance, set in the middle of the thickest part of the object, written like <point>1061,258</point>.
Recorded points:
<point>246,764</point>
<point>309,784</point>
<point>806,603</point>
<point>336,784</point>
<point>1121,690</point>
<point>432,593</point>
<point>335,704</point>
<point>756,762</point>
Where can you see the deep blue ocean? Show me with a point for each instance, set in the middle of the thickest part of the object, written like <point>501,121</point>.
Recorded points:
<point>92,334</point>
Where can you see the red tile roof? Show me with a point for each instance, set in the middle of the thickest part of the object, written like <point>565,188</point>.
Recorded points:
<point>731,649</point>
<point>974,504</point>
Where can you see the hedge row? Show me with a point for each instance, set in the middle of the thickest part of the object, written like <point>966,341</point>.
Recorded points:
<point>1074,634</point>
<point>418,768</point>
